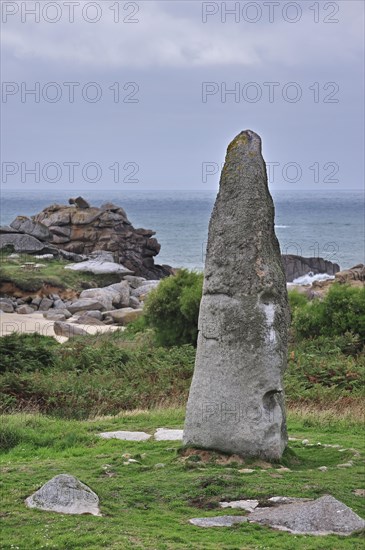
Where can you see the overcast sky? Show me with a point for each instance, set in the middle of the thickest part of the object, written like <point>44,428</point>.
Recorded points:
<point>158,115</point>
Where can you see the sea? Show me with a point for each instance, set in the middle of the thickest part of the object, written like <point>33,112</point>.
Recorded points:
<point>327,224</point>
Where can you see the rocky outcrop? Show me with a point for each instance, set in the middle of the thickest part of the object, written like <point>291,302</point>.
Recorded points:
<point>76,232</point>
<point>26,244</point>
<point>116,295</point>
<point>355,277</point>
<point>236,400</point>
<point>84,229</point>
<point>30,227</point>
<point>297,266</point>
<point>354,274</point>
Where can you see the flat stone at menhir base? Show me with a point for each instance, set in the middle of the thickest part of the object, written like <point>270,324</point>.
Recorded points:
<point>323,516</point>
<point>218,521</point>
<point>126,436</point>
<point>236,400</point>
<point>67,495</point>
<point>165,434</point>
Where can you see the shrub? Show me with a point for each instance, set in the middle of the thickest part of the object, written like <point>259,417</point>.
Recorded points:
<point>172,309</point>
<point>27,352</point>
<point>297,300</point>
<point>341,310</point>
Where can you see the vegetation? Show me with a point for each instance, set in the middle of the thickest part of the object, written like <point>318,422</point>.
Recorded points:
<point>53,274</point>
<point>59,395</point>
<point>144,507</point>
<point>341,310</point>
<point>117,371</point>
<point>172,309</point>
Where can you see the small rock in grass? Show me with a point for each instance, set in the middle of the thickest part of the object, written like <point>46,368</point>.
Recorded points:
<point>125,436</point>
<point>248,505</point>
<point>283,469</point>
<point>305,442</point>
<point>359,492</point>
<point>346,465</point>
<point>323,516</point>
<point>67,495</point>
<point>159,465</point>
<point>219,521</point>
<point>323,468</point>
<point>246,471</point>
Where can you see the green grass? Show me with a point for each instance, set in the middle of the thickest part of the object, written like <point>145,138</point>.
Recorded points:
<point>52,274</point>
<point>148,508</point>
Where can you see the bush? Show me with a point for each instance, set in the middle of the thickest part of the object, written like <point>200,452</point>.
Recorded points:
<point>172,309</point>
<point>296,300</point>
<point>26,352</point>
<point>342,310</point>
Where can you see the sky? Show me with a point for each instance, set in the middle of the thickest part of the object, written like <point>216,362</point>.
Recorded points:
<point>148,94</point>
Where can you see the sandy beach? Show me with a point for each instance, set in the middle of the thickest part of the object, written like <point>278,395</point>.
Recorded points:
<point>35,322</point>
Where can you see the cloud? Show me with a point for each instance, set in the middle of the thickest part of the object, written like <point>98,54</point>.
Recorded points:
<point>175,36</point>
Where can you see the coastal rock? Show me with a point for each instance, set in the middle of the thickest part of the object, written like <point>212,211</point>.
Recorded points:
<point>124,316</point>
<point>99,267</point>
<point>72,257</point>
<point>56,315</point>
<point>83,304</point>
<point>88,320</point>
<point>356,273</point>
<point>134,281</point>
<point>236,400</point>
<point>116,295</point>
<point>24,224</point>
<point>22,243</point>
<point>134,302</point>
<point>86,229</point>
<point>59,304</point>
<point>45,304</point>
<point>25,310</point>
<point>94,313</point>
<point>297,266</point>
<point>144,289</point>
<point>6,306</point>
<point>323,516</point>
<point>67,495</point>
<point>79,202</point>
<point>67,330</point>
<point>7,229</point>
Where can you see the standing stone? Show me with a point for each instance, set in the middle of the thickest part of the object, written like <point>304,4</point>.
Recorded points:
<point>236,401</point>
